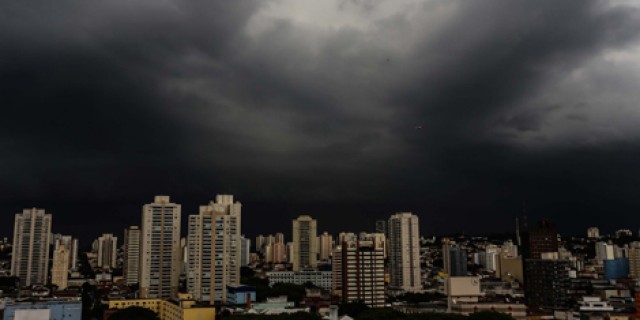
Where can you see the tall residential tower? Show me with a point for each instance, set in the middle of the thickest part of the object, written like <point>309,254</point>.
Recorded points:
<point>31,241</point>
<point>160,249</point>
<point>131,265</point>
<point>107,251</point>
<point>305,248</point>
<point>214,249</point>
<point>404,252</point>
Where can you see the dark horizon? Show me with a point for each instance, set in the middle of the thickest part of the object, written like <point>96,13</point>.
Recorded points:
<point>346,110</point>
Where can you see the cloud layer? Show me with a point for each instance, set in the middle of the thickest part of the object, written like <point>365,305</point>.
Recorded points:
<point>347,110</point>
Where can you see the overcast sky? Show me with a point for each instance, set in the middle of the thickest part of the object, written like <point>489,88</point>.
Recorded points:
<point>346,110</point>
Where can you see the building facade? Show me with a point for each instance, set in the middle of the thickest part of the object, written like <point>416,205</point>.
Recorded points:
<point>60,268</point>
<point>547,283</point>
<point>305,248</point>
<point>182,308</point>
<point>214,256</point>
<point>131,265</point>
<point>404,252</point>
<point>358,270</point>
<point>322,279</point>
<point>325,246</point>
<point>634,260</point>
<point>160,249</point>
<point>31,242</point>
<point>543,238</point>
<point>245,251</point>
<point>50,309</point>
<point>72,246</point>
<point>107,251</point>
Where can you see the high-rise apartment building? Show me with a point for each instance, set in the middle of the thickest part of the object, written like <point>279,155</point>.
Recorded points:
<point>131,265</point>
<point>605,251</point>
<point>290,252</point>
<point>107,251</point>
<point>214,249</point>
<point>305,248</point>
<point>404,252</point>
<point>325,243</point>
<point>358,270</point>
<point>275,249</point>
<point>31,241</point>
<point>71,244</point>
<point>492,258</point>
<point>60,268</point>
<point>547,282</point>
<point>260,243</point>
<point>245,251</point>
<point>543,238</point>
<point>160,249</point>
<point>454,259</point>
<point>634,260</point>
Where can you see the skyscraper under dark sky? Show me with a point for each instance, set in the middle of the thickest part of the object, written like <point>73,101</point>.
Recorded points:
<point>404,252</point>
<point>542,238</point>
<point>31,239</point>
<point>160,249</point>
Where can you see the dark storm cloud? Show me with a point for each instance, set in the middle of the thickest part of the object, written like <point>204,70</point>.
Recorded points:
<point>338,109</point>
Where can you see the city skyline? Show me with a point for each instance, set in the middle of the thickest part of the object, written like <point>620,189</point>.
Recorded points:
<point>369,224</point>
<point>344,110</point>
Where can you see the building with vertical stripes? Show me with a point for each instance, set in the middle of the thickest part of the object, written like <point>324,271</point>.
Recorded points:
<point>305,247</point>
<point>131,263</point>
<point>160,249</point>
<point>358,270</point>
<point>404,252</point>
<point>214,249</point>
<point>31,241</point>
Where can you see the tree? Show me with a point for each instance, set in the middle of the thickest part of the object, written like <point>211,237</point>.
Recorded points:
<point>293,292</point>
<point>490,315</point>
<point>381,313</point>
<point>134,313</point>
<point>353,309</point>
<point>436,316</point>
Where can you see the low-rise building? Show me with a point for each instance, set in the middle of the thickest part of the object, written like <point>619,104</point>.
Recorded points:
<point>185,308</point>
<point>67,309</point>
<point>322,279</point>
<point>240,294</point>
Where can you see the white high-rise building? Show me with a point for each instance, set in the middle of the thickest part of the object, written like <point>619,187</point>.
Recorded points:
<point>214,249</point>
<point>404,252</point>
<point>60,269</point>
<point>305,248</point>
<point>492,258</point>
<point>605,251</point>
<point>31,241</point>
<point>325,243</point>
<point>160,249</point>
<point>245,257</point>
<point>71,244</point>
<point>131,265</point>
<point>107,251</point>
<point>358,270</point>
